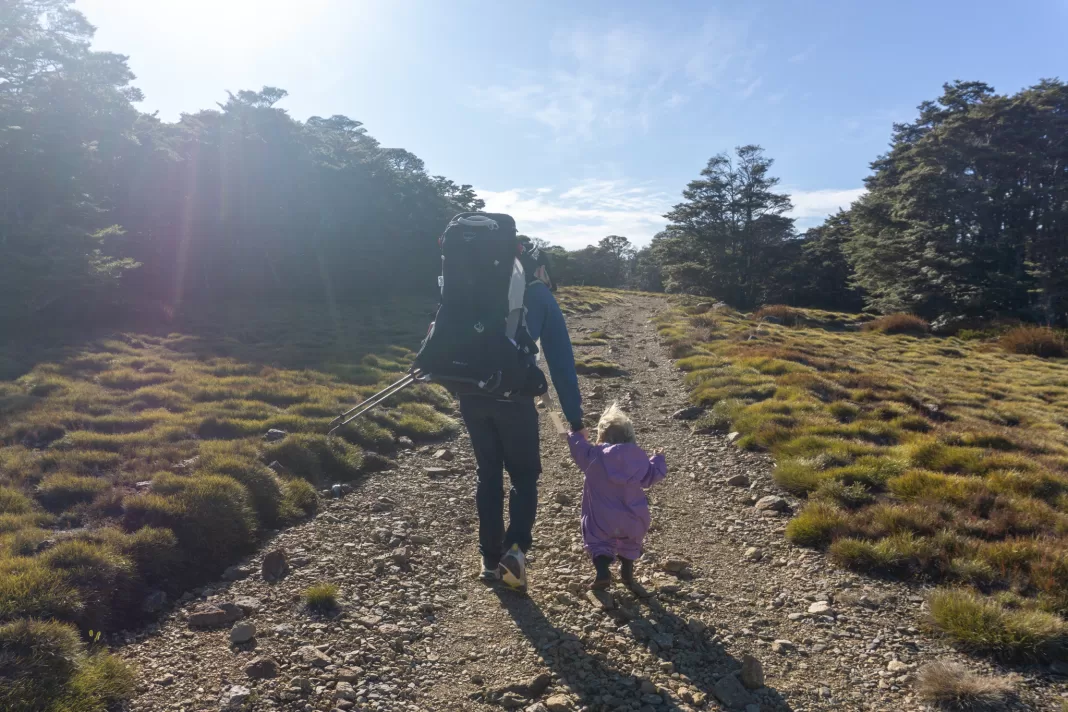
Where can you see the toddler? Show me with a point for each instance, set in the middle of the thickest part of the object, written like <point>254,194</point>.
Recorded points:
<point>615,511</point>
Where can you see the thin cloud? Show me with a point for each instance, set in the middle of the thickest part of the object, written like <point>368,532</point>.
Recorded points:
<point>811,207</point>
<point>583,213</point>
<point>609,84</point>
<point>752,87</point>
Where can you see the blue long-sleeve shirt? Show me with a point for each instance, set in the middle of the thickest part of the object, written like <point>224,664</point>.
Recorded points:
<point>546,322</point>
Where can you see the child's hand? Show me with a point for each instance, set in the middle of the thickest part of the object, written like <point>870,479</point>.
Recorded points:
<point>659,451</point>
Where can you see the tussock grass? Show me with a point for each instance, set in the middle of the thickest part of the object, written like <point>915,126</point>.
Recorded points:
<point>953,687</point>
<point>81,424</point>
<point>1038,341</point>
<point>984,625</point>
<point>321,598</point>
<point>595,365</point>
<point>780,313</point>
<point>898,324</point>
<point>45,666</point>
<point>938,458</point>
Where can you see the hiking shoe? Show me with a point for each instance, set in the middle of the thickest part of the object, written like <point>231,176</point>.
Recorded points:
<point>491,571</point>
<point>514,568</point>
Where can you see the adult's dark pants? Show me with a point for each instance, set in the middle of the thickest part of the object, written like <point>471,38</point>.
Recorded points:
<point>504,435</point>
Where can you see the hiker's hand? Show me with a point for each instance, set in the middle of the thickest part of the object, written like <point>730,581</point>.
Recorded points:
<point>583,433</point>
<point>659,451</point>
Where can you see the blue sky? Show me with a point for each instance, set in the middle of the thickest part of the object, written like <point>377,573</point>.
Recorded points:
<point>588,119</point>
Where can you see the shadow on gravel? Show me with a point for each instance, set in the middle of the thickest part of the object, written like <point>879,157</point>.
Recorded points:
<point>592,679</point>
<point>692,652</point>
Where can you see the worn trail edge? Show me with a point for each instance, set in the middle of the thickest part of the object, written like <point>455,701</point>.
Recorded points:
<point>738,618</point>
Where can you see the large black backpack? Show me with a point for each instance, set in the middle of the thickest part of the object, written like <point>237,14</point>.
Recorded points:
<point>478,341</point>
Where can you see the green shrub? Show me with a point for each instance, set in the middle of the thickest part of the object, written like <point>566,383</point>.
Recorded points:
<point>263,485</point>
<point>30,589</point>
<point>787,316</point>
<point>816,525</point>
<point>299,499</point>
<point>853,496</point>
<point>1038,341</point>
<point>61,491</point>
<point>101,683</point>
<point>898,324</point>
<point>37,661</point>
<point>798,477</point>
<point>216,523</point>
<point>44,668</point>
<point>102,577</point>
<point>148,509</point>
<point>12,501</point>
<point>321,598</point>
<point>597,365</point>
<point>153,552</point>
<point>983,625</point>
<point>317,458</point>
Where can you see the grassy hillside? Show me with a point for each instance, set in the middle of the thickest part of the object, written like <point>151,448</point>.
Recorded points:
<point>933,459</point>
<point>137,463</point>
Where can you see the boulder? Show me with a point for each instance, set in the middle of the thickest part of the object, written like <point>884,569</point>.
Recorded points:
<point>692,412</point>
<point>731,693</point>
<point>313,656</point>
<point>772,503</point>
<point>234,698</point>
<point>274,435</point>
<point>242,633</point>
<point>274,565</point>
<point>208,615</point>
<point>738,481</point>
<point>262,668</point>
<point>154,602</point>
<point>752,673</point>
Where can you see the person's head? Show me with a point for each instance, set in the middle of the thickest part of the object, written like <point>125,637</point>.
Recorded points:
<point>614,427</point>
<point>535,262</point>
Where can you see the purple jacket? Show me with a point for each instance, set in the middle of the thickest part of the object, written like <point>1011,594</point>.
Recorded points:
<point>615,511</point>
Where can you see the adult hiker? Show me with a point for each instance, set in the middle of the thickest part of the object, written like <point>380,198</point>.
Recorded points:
<point>504,433</point>
<point>496,303</point>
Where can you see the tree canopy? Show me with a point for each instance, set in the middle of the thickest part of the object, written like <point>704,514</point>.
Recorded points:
<point>241,199</point>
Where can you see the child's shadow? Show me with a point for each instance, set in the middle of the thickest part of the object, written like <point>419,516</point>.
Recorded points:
<point>590,677</point>
<point>693,653</point>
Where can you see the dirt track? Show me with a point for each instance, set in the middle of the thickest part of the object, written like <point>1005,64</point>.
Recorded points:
<point>417,631</point>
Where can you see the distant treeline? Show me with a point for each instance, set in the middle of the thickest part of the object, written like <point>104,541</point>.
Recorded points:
<point>102,204</point>
<point>965,216</point>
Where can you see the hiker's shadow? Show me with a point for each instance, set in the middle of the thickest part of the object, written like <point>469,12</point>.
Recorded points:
<point>691,649</point>
<point>588,675</point>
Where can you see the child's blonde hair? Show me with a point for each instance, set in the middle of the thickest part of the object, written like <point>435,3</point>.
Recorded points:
<point>615,427</point>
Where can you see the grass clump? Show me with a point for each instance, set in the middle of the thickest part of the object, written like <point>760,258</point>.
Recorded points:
<point>953,687</point>
<point>982,625</point>
<point>595,365</point>
<point>898,324</point>
<point>61,491</point>
<point>13,501</point>
<point>317,458</point>
<point>1038,341</point>
<point>44,665</point>
<point>936,458</point>
<point>779,313</point>
<point>321,598</point>
<point>816,525</point>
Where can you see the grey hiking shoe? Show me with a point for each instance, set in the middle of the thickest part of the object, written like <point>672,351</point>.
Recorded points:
<point>491,573</point>
<point>514,568</point>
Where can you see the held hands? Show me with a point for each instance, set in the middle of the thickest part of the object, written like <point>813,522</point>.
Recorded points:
<point>659,451</point>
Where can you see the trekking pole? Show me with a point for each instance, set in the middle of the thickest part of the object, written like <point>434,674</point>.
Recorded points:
<point>374,401</point>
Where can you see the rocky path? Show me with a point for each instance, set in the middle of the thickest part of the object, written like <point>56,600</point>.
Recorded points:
<point>739,618</point>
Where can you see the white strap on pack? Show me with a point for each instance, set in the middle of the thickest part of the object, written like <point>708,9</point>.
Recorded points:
<point>478,221</point>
